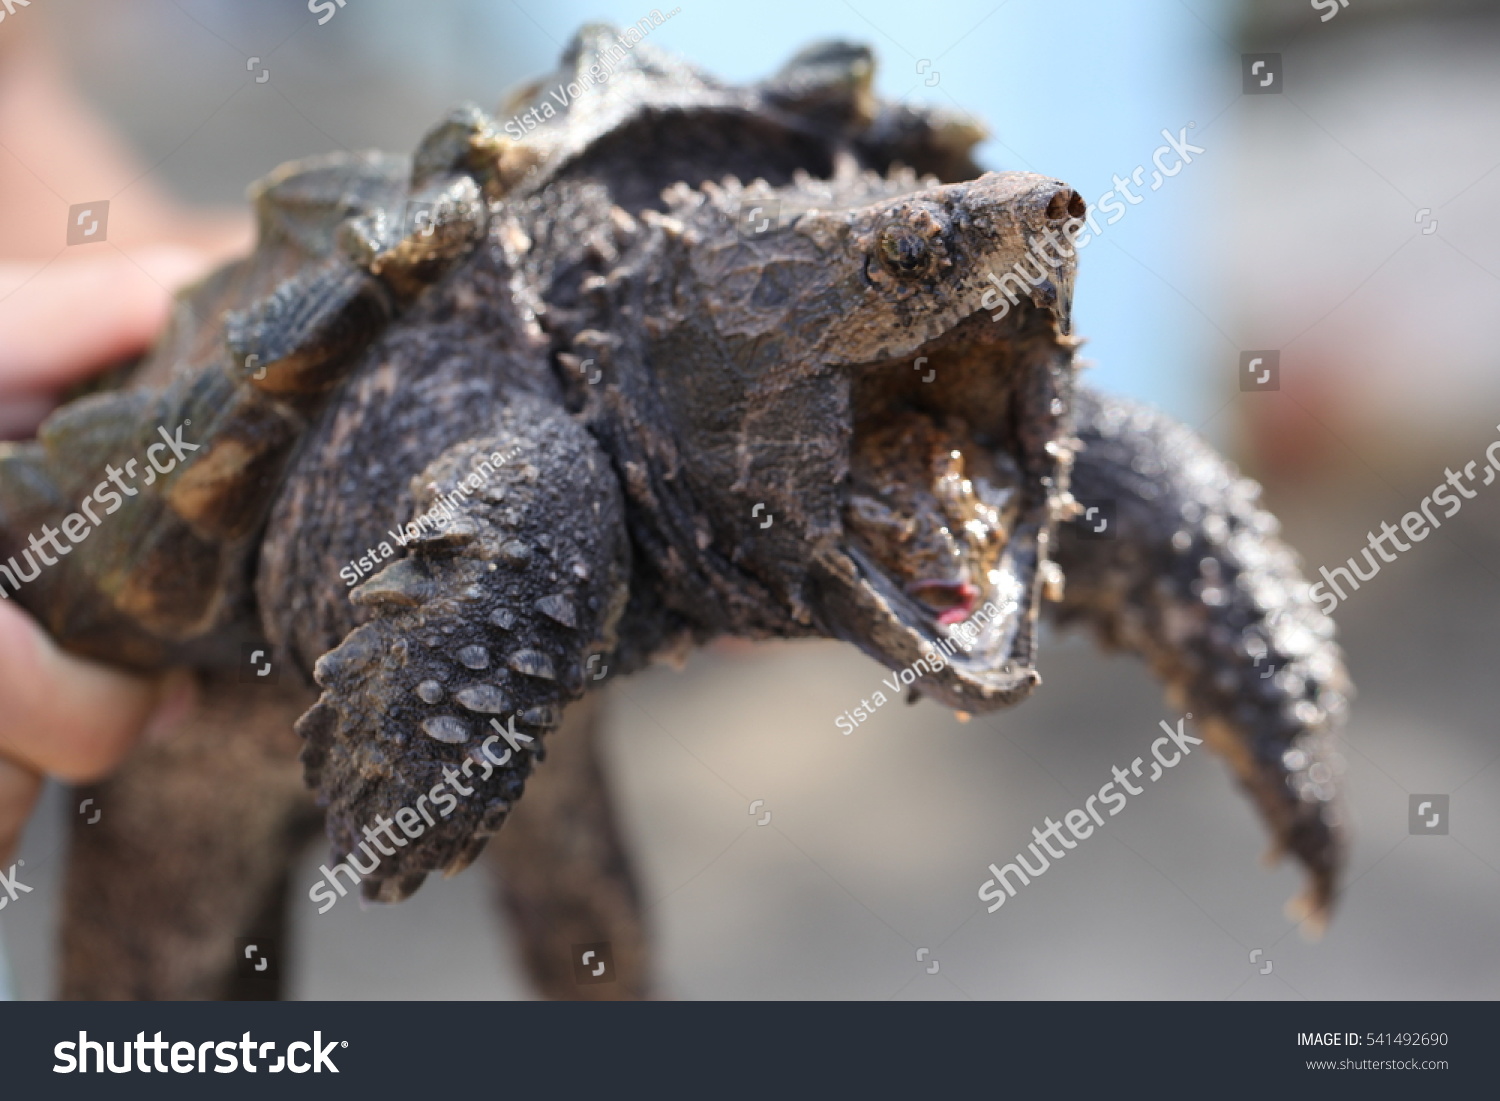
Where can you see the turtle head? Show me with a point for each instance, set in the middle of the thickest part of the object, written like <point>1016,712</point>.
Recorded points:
<point>873,377</point>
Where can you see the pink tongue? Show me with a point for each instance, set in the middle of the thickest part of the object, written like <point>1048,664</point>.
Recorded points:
<point>964,595</point>
<point>959,612</point>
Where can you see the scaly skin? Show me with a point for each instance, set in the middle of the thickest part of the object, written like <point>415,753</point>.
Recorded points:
<point>591,302</point>
<point>475,645</point>
<point>1195,580</point>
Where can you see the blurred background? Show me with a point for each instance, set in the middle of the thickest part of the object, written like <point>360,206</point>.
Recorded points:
<point>1343,216</point>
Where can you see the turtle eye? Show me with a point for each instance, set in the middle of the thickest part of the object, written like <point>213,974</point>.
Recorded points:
<point>904,251</point>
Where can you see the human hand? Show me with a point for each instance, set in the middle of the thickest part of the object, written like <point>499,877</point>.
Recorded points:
<point>60,715</point>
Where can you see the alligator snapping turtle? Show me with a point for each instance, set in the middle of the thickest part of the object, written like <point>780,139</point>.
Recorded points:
<point>470,432</point>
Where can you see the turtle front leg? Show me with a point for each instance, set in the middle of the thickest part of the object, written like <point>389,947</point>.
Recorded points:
<point>433,712</point>
<point>1170,557</point>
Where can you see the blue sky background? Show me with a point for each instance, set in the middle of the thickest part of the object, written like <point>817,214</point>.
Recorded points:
<point>1077,89</point>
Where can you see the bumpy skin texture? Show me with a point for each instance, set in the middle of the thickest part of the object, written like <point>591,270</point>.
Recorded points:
<point>1194,579</point>
<point>648,388</point>
<point>480,624</point>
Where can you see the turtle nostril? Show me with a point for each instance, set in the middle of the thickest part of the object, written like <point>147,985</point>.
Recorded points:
<point>1066,204</point>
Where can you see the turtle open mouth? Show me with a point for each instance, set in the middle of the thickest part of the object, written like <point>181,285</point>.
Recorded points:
<point>957,468</point>
<point>934,508</point>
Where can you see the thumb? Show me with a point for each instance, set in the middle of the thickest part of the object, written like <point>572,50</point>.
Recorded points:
<point>19,789</point>
<point>62,322</point>
<point>68,717</point>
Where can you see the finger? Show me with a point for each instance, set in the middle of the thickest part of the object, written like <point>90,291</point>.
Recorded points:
<point>64,321</point>
<point>19,790</point>
<point>21,413</point>
<point>64,716</point>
